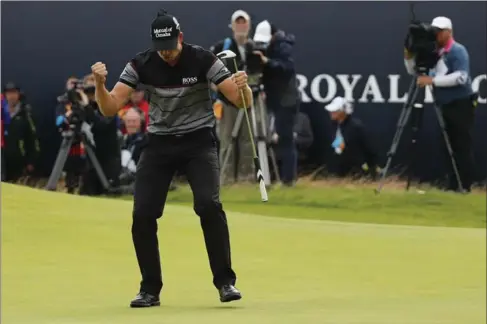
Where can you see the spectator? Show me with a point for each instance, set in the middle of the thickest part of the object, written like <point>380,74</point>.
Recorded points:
<point>241,158</point>
<point>137,99</point>
<point>21,145</point>
<point>353,152</point>
<point>135,138</point>
<point>133,142</point>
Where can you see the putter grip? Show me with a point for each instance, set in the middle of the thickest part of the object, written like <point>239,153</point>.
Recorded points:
<point>260,178</point>
<point>263,191</point>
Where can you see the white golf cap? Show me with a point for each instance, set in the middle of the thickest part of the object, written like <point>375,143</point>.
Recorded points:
<point>240,14</point>
<point>337,104</point>
<point>442,23</point>
<point>263,32</point>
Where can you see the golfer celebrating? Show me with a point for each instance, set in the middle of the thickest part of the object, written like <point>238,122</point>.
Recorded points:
<point>177,76</point>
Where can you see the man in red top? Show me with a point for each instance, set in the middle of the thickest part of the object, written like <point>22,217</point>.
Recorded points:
<point>137,99</point>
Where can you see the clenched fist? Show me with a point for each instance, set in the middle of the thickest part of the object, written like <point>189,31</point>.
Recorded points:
<point>240,78</point>
<point>100,72</point>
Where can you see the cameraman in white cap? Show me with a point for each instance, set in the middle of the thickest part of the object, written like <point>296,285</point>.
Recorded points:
<point>452,87</point>
<point>352,150</point>
<point>239,43</point>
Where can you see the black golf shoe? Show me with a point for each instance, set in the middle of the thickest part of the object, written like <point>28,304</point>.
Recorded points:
<point>144,299</point>
<point>229,293</point>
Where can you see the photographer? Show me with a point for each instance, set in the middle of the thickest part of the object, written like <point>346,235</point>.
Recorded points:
<point>75,166</point>
<point>20,149</point>
<point>280,86</point>
<point>353,153</point>
<point>453,93</point>
<point>241,45</point>
<point>107,145</point>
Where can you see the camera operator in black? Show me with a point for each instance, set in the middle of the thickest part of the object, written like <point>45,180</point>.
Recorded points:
<point>177,76</point>
<point>280,86</point>
<point>241,45</point>
<point>452,89</point>
<point>75,166</point>
<point>21,148</point>
<point>107,145</point>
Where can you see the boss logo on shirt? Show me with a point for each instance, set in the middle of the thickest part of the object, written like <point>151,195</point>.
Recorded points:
<point>190,80</point>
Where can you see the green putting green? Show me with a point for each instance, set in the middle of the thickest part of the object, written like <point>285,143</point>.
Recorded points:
<point>69,259</point>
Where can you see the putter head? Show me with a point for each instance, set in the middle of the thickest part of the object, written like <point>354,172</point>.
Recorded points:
<point>226,55</point>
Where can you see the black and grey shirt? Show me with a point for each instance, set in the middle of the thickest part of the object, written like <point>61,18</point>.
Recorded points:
<point>179,95</point>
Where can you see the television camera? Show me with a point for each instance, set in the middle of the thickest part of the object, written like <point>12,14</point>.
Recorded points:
<point>76,105</point>
<point>254,66</point>
<point>421,42</point>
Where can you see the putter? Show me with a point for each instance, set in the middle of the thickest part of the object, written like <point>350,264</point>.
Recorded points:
<point>263,192</point>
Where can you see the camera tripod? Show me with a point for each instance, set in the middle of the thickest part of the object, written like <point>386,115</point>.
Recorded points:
<point>414,109</point>
<point>68,139</point>
<point>259,128</point>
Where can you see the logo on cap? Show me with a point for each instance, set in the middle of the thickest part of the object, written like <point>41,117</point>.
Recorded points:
<point>163,32</point>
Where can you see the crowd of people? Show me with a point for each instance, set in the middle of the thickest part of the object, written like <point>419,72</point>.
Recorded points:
<point>289,131</point>
<point>119,140</point>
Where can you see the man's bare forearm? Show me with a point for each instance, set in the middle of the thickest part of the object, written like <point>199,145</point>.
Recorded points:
<point>106,102</point>
<point>249,98</point>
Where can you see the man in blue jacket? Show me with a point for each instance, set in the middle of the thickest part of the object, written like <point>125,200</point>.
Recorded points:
<point>452,88</point>
<point>282,97</point>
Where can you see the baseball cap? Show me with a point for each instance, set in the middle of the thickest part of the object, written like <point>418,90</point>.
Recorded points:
<point>263,32</point>
<point>240,14</point>
<point>11,86</point>
<point>442,23</point>
<point>337,104</point>
<point>165,30</point>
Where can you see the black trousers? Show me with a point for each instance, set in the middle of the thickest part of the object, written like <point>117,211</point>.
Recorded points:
<point>75,167</point>
<point>459,122</point>
<point>285,118</point>
<point>196,153</point>
<point>111,166</point>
